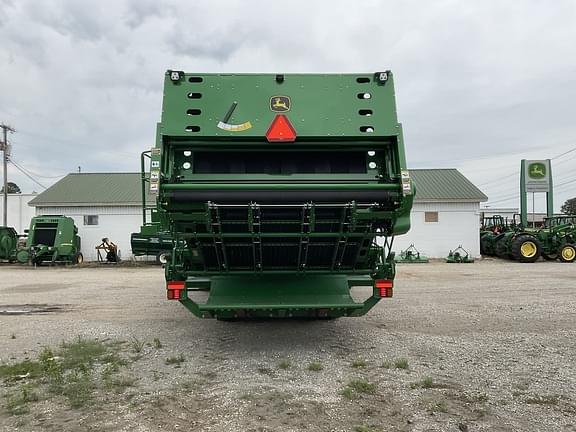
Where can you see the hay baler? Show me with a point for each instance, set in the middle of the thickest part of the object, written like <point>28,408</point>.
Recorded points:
<point>51,239</point>
<point>281,192</point>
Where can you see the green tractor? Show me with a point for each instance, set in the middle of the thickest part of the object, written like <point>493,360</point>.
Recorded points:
<point>281,192</point>
<point>51,239</point>
<point>558,238</point>
<point>8,244</point>
<point>490,230</point>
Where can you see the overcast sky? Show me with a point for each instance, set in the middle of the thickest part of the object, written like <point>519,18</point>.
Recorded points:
<point>480,84</point>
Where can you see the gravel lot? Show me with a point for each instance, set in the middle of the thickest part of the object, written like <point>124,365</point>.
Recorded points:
<point>489,346</point>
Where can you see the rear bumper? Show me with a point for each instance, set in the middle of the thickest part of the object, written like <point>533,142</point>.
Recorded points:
<point>314,296</point>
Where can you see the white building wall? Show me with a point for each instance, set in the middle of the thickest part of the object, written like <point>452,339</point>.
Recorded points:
<point>19,212</point>
<point>116,223</point>
<point>458,224</point>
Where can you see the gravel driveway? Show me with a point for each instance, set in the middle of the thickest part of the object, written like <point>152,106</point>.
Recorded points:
<point>489,346</point>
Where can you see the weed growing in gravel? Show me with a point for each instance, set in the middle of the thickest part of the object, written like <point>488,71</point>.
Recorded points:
<point>17,401</point>
<point>356,387</point>
<point>74,371</point>
<point>425,383</point>
<point>176,360</point>
<point>157,343</point>
<point>20,370</point>
<point>386,364</point>
<point>401,363</point>
<point>285,364</point>
<point>359,363</point>
<point>137,345</point>
<point>315,367</point>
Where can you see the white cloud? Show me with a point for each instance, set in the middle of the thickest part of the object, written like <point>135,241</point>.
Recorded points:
<point>81,81</point>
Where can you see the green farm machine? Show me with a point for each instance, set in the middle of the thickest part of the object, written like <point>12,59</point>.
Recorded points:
<point>281,192</point>
<point>555,239</point>
<point>151,240</point>
<point>51,239</point>
<point>8,244</point>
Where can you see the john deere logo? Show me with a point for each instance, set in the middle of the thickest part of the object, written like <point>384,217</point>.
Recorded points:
<point>537,170</point>
<point>280,103</point>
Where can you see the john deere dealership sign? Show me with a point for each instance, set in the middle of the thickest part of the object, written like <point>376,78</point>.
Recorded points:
<point>537,175</point>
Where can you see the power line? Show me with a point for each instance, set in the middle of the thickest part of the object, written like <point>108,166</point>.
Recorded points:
<point>37,175</point>
<point>518,171</point>
<point>26,174</point>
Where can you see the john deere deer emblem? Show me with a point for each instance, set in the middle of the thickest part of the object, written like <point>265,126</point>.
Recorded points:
<point>280,103</point>
<point>537,170</point>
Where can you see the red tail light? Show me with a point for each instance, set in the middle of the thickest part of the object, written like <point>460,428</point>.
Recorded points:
<point>385,287</point>
<point>174,289</point>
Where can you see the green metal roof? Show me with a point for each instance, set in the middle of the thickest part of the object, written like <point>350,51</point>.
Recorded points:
<point>124,189</point>
<point>88,189</point>
<point>444,185</point>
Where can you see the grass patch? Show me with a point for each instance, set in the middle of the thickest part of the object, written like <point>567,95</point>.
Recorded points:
<point>425,383</point>
<point>359,363</point>
<point>315,367</point>
<point>386,364</point>
<point>284,364</point>
<point>401,363</point>
<point>356,387</point>
<point>73,371</point>
<point>157,343</point>
<point>17,401</point>
<point>176,361</point>
<point>20,370</point>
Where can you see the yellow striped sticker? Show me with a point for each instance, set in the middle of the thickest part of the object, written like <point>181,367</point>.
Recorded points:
<point>235,128</point>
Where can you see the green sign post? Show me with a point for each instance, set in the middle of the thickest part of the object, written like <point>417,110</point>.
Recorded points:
<point>535,177</point>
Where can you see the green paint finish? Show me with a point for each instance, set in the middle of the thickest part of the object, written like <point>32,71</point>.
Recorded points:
<point>51,239</point>
<point>8,243</point>
<point>280,228</point>
<point>322,105</point>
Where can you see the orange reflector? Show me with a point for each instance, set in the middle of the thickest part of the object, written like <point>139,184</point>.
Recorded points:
<point>384,287</point>
<point>281,130</point>
<point>174,289</point>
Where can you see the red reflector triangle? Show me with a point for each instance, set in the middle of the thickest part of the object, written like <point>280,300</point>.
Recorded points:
<point>281,130</point>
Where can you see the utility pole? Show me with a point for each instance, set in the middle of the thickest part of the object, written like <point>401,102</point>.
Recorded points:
<point>4,148</point>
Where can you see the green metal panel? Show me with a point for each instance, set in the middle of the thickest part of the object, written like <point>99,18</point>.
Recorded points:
<point>321,105</point>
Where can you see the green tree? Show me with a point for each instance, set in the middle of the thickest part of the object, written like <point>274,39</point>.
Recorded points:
<point>12,188</point>
<point>569,207</point>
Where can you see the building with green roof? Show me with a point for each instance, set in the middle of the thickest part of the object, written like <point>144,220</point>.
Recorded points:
<point>445,213</point>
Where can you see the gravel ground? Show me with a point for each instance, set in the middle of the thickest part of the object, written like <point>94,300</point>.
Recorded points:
<point>489,346</point>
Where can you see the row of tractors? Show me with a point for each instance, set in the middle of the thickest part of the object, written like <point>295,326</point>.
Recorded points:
<point>509,239</point>
<point>50,239</point>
